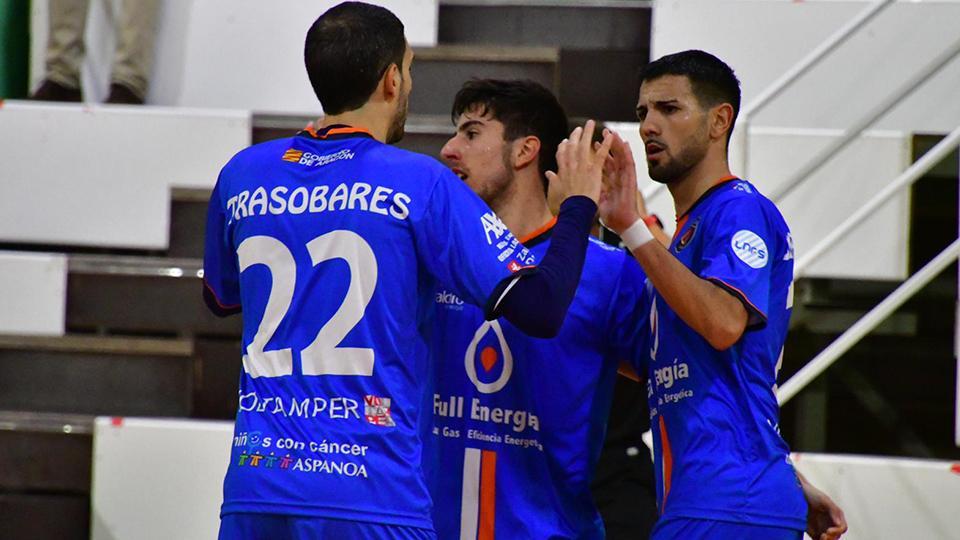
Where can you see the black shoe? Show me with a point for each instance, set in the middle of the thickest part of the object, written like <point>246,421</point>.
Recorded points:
<point>52,91</point>
<point>121,95</point>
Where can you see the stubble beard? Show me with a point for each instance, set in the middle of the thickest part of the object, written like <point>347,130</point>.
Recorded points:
<point>396,132</point>
<point>497,193</point>
<point>688,157</point>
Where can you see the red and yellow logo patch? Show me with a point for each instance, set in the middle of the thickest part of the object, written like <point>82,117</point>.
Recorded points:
<point>292,155</point>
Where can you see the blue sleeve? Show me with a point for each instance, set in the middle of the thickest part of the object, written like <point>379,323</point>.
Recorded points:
<point>537,299</point>
<point>628,317</point>
<point>466,247</point>
<point>221,274</point>
<point>737,250</point>
<point>463,244</point>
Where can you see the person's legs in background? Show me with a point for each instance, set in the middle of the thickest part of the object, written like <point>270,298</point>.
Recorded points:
<point>133,58</point>
<point>65,48</point>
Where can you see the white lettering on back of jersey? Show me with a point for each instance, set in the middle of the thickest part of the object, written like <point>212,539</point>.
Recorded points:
<point>281,200</point>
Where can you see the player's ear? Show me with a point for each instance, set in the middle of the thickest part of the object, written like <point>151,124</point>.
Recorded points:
<point>391,82</point>
<point>526,150</point>
<point>721,119</point>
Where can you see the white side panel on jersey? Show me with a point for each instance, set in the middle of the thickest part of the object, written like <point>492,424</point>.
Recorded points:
<point>158,479</point>
<point>889,498</point>
<point>245,54</point>
<point>33,292</point>
<point>470,498</point>
<point>101,176</point>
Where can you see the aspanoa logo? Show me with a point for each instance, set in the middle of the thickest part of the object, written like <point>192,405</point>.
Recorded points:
<point>750,249</point>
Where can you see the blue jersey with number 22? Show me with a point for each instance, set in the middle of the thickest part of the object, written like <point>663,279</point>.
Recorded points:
<point>333,244</point>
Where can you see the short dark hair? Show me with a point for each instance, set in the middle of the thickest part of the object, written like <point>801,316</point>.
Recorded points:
<point>348,49</point>
<point>712,80</point>
<point>524,107</point>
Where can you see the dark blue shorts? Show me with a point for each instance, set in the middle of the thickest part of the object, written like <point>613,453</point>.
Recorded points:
<point>278,527</point>
<point>706,529</point>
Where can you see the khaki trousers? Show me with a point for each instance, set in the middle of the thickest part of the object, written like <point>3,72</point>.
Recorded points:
<point>133,57</point>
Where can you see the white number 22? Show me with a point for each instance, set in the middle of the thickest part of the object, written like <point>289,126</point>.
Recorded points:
<point>322,356</point>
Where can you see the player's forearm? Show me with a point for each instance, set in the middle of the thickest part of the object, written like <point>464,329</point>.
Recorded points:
<point>712,312</point>
<point>536,301</point>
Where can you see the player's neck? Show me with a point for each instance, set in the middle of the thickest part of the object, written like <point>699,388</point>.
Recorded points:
<point>524,211</point>
<point>688,189</point>
<point>364,118</point>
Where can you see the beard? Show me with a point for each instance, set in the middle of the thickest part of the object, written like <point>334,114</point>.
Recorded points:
<point>497,190</point>
<point>688,157</point>
<point>396,131</point>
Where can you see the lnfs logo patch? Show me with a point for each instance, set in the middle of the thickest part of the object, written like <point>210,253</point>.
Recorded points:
<point>750,249</point>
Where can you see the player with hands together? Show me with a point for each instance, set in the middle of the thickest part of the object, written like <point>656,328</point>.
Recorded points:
<point>579,166</point>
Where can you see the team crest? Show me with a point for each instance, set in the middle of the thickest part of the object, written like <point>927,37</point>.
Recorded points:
<point>687,236</point>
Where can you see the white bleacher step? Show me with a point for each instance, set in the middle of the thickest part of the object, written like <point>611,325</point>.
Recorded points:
<point>261,69</point>
<point>101,176</point>
<point>32,288</point>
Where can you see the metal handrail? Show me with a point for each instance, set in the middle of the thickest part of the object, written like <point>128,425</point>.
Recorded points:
<point>778,86</point>
<point>865,325</point>
<point>824,156</point>
<point>801,67</point>
<point>911,175</point>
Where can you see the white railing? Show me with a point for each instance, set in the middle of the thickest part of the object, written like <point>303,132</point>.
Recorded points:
<point>911,175</point>
<point>866,324</point>
<point>823,157</point>
<point>778,86</point>
<point>804,65</point>
<point>910,287</point>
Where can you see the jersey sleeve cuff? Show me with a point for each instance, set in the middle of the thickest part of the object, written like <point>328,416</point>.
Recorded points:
<point>755,317</point>
<point>214,304</point>
<point>491,310</point>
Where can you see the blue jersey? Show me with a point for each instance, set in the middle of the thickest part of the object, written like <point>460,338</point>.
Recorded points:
<point>333,244</point>
<point>519,422</point>
<point>714,414</point>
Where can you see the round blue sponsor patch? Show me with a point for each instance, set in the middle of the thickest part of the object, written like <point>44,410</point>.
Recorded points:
<point>750,249</point>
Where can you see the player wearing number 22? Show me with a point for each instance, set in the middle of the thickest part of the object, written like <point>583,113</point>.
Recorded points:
<point>332,244</point>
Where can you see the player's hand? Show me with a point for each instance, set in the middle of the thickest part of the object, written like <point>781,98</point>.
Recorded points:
<point>619,204</point>
<point>579,167</point>
<point>825,520</point>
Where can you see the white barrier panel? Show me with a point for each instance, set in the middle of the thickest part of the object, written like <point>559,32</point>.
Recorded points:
<point>877,249</point>
<point>33,292</point>
<point>158,479</point>
<point>762,40</point>
<point>889,498</point>
<point>244,54</point>
<point>161,479</point>
<point>101,176</point>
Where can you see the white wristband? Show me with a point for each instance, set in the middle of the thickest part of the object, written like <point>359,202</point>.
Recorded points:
<point>636,235</point>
